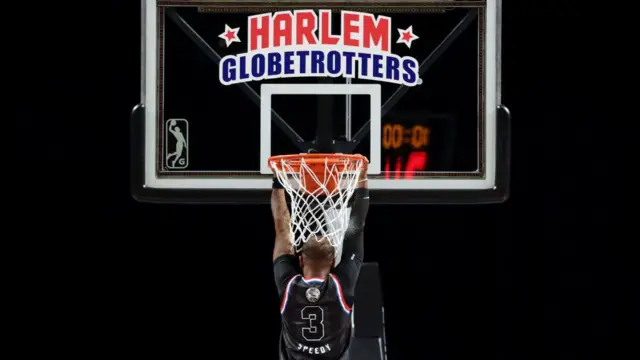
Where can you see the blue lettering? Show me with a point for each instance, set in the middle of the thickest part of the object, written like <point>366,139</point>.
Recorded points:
<point>393,68</point>
<point>348,61</point>
<point>228,69</point>
<point>244,74</point>
<point>317,64</point>
<point>257,66</point>
<point>275,67</point>
<point>288,63</point>
<point>409,67</point>
<point>377,65</point>
<point>364,64</point>
<point>303,60</point>
<point>333,62</point>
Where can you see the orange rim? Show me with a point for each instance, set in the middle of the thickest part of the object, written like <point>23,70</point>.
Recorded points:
<point>314,159</point>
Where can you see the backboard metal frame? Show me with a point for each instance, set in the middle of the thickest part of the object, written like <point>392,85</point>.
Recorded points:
<point>147,187</point>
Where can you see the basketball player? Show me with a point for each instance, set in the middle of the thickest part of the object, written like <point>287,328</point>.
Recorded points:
<point>181,143</point>
<point>316,297</point>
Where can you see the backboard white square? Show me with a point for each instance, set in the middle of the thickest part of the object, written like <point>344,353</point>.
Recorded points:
<point>372,90</point>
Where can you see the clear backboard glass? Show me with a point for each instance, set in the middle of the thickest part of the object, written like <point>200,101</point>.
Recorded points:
<point>415,87</point>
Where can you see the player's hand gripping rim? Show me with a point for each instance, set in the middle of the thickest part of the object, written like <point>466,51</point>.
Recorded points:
<point>362,178</point>
<point>276,183</point>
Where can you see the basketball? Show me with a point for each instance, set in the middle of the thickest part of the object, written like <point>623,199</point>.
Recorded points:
<point>172,122</point>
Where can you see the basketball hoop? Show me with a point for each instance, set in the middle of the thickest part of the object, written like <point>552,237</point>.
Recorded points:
<point>320,186</point>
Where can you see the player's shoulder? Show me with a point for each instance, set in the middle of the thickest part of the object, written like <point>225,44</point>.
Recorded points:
<point>295,280</point>
<point>334,278</point>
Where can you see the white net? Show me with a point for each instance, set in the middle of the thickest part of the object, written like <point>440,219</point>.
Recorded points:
<point>319,199</point>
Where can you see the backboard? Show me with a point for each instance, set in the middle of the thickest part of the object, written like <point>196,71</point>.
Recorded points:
<point>413,86</point>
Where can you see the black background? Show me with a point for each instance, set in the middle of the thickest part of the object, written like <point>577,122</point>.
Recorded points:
<point>545,275</point>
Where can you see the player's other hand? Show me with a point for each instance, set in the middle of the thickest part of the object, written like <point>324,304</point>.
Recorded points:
<point>365,165</point>
<point>277,185</point>
<point>363,172</point>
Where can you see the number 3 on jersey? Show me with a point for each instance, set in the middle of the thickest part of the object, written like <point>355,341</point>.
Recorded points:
<point>315,321</point>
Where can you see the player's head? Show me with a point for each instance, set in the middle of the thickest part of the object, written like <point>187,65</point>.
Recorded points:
<point>318,255</point>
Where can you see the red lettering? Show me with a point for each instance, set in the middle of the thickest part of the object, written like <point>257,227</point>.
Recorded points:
<point>258,28</point>
<point>326,38</point>
<point>301,28</point>
<point>376,34</point>
<point>350,22</point>
<point>282,28</point>
<point>306,25</point>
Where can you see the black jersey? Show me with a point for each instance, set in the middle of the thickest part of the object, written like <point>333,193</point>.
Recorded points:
<point>316,319</point>
<point>316,313</point>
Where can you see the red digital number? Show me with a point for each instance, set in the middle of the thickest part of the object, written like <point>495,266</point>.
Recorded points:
<point>416,161</point>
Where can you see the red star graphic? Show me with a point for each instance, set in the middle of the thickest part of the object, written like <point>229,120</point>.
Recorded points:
<point>407,36</point>
<point>230,34</point>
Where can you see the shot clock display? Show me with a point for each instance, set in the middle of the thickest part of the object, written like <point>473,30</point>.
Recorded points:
<point>416,142</point>
<point>410,145</point>
<point>394,136</point>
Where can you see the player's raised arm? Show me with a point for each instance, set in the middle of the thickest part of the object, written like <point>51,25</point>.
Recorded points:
<point>282,220</point>
<point>353,241</point>
<point>353,244</point>
<point>285,264</point>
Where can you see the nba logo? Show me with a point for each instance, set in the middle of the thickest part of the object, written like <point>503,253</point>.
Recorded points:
<point>176,144</point>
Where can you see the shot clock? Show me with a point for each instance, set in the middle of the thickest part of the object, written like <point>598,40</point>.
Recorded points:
<point>394,136</point>
<point>417,142</point>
